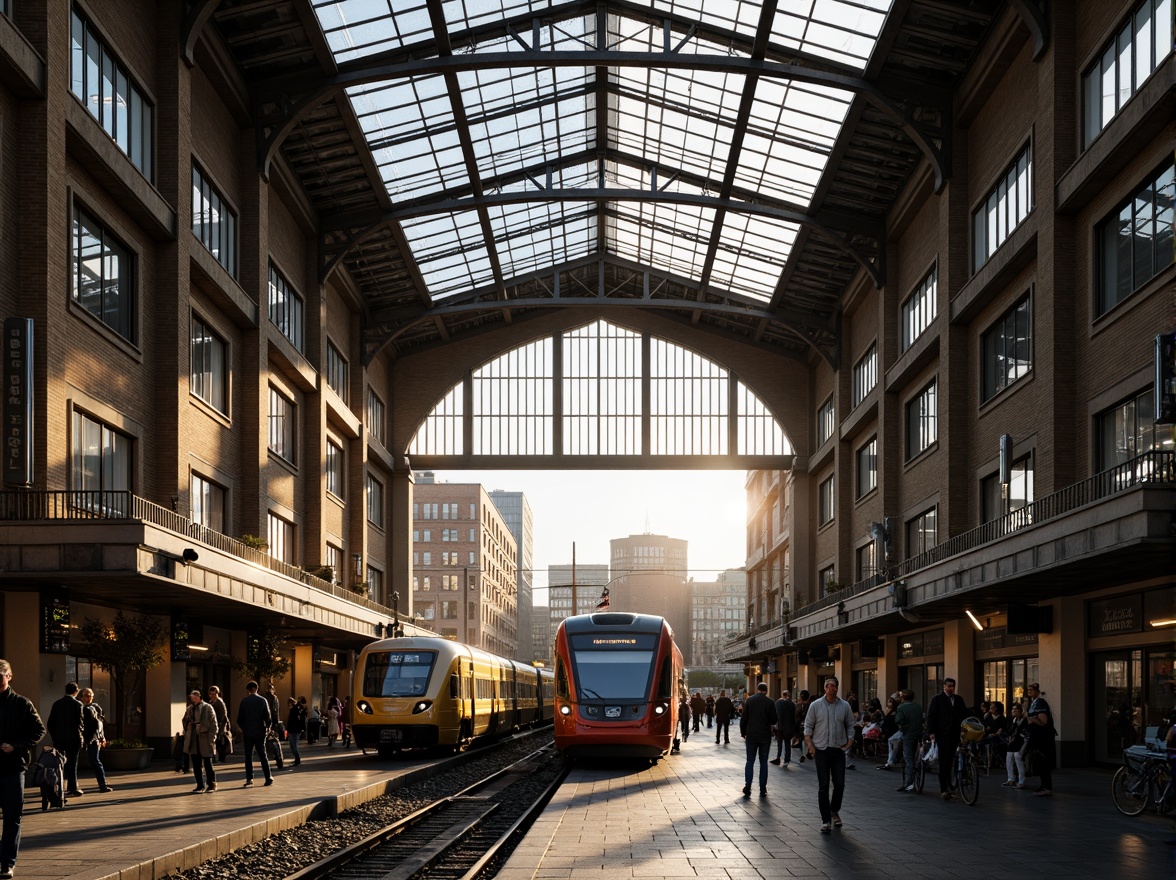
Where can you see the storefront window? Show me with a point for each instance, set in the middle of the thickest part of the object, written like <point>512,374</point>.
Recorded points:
<point>1118,702</point>
<point>1006,680</point>
<point>925,680</point>
<point>865,685</point>
<point>1161,682</point>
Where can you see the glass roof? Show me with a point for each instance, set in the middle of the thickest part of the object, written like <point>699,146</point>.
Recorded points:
<point>528,124</point>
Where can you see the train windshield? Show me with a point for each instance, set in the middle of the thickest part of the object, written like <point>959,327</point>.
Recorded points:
<point>397,673</point>
<point>612,667</point>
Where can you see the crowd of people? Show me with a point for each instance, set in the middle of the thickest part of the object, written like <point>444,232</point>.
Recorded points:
<point>830,730</point>
<point>209,734</point>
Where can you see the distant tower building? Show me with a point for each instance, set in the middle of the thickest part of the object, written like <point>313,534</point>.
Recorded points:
<point>541,644</point>
<point>718,611</point>
<point>649,577</point>
<point>464,566</point>
<point>590,582</point>
<point>517,513</point>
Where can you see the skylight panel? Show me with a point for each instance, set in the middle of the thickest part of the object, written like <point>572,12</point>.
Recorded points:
<point>790,133</point>
<point>450,252</point>
<point>741,16</point>
<point>671,135</point>
<point>410,129</point>
<point>464,14</point>
<point>752,252</point>
<point>537,235</point>
<point>357,28</point>
<point>536,134</point>
<point>838,30</point>
<point>670,237</point>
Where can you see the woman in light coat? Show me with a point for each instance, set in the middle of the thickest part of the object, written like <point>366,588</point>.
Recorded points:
<point>332,726</point>
<point>200,741</point>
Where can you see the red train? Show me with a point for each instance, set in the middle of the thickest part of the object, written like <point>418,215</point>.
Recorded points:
<point>617,680</point>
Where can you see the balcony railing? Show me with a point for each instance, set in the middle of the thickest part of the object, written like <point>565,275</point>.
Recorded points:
<point>1150,468</point>
<point>39,506</point>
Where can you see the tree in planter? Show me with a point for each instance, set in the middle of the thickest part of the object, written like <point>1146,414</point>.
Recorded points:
<point>127,648</point>
<point>263,657</point>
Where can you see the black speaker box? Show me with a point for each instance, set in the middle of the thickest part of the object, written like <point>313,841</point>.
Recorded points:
<point>1028,619</point>
<point>870,648</point>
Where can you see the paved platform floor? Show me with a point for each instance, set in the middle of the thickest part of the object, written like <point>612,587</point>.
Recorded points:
<point>152,824</point>
<point>686,817</point>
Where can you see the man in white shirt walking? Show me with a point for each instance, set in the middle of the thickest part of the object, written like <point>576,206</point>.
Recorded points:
<point>828,731</point>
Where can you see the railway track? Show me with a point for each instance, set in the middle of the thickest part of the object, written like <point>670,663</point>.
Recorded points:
<point>459,837</point>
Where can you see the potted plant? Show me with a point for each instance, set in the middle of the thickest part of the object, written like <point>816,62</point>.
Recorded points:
<point>126,647</point>
<point>126,754</point>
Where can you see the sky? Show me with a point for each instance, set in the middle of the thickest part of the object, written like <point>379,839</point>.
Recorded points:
<point>590,508</point>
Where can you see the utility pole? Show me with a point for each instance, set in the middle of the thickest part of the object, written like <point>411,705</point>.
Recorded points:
<point>573,614</point>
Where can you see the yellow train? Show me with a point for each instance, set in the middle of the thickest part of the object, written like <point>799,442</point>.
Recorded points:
<point>418,693</point>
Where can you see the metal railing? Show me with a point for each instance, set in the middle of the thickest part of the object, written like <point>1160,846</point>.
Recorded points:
<point>39,506</point>
<point>1157,467</point>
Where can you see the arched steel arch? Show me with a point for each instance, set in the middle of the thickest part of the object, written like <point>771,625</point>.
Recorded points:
<point>421,381</point>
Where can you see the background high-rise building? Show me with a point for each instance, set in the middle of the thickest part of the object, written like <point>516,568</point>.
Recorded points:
<point>717,612</point>
<point>541,634</point>
<point>649,577</point>
<point>516,512</point>
<point>464,566</point>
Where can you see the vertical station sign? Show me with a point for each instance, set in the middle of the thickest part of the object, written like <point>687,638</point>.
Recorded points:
<point>54,621</point>
<point>18,401</point>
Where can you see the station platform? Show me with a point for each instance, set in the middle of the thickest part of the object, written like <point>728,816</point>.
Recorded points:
<point>152,824</point>
<point>684,817</point>
<point>687,817</point>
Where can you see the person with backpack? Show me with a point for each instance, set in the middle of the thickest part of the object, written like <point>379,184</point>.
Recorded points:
<point>785,727</point>
<point>909,720</point>
<point>296,726</point>
<point>802,704</point>
<point>224,734</point>
<point>94,736</point>
<point>20,730</point>
<point>724,712</point>
<point>66,731</point>
<point>1041,738</point>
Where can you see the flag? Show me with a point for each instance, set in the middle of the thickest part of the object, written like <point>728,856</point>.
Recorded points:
<point>603,603</point>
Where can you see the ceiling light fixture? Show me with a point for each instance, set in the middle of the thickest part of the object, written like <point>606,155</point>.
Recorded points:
<point>975,622</point>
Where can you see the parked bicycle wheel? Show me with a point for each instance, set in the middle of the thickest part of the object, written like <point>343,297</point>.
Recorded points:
<point>1163,795</point>
<point>969,781</point>
<point>1129,791</point>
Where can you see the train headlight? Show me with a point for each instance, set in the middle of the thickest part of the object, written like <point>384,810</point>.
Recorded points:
<point>421,706</point>
<point>565,709</point>
<point>365,707</point>
<point>659,710</point>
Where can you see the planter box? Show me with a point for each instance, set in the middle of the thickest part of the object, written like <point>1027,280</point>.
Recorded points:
<point>127,759</point>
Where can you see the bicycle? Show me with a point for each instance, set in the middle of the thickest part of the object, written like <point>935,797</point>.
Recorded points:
<point>965,776</point>
<point>1144,780</point>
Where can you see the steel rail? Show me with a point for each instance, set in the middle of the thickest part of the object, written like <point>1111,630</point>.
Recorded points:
<point>336,861</point>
